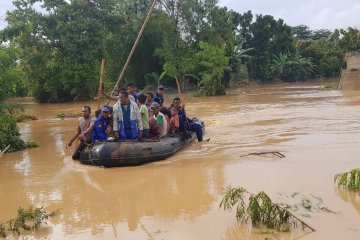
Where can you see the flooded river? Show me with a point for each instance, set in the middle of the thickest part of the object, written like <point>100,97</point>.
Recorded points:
<point>318,132</point>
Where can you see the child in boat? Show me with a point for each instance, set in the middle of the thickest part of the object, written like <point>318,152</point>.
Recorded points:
<point>144,115</point>
<point>174,122</point>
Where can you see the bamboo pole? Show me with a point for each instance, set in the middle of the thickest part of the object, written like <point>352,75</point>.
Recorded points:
<point>179,89</point>
<point>101,80</point>
<point>3,151</point>
<point>134,46</point>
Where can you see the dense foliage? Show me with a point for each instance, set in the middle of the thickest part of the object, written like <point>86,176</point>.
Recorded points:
<point>9,132</point>
<point>11,77</point>
<point>52,49</point>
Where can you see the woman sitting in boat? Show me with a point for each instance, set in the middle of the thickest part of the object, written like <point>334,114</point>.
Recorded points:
<point>127,122</point>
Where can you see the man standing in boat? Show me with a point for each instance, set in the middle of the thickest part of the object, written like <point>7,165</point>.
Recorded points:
<point>127,119</point>
<point>82,133</point>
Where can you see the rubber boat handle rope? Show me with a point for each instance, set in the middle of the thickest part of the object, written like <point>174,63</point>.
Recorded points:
<point>134,46</point>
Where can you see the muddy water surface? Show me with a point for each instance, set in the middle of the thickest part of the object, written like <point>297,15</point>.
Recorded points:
<point>318,132</point>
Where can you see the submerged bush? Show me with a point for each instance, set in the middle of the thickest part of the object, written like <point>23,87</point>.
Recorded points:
<point>258,208</point>
<point>27,219</point>
<point>349,180</point>
<point>9,134</point>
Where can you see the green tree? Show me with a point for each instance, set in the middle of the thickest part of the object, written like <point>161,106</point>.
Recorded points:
<point>321,34</point>
<point>325,55</point>
<point>350,40</point>
<point>11,77</point>
<point>60,49</point>
<point>301,32</point>
<point>269,37</point>
<point>237,59</point>
<point>209,64</point>
<point>242,24</point>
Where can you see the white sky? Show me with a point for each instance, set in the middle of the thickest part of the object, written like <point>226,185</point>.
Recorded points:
<point>316,14</point>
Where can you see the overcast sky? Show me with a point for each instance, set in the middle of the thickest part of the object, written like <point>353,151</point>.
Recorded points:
<point>316,14</point>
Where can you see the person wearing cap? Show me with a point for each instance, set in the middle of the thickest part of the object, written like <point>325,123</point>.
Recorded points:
<point>127,121</point>
<point>159,95</point>
<point>101,125</point>
<point>157,121</point>
<point>98,114</point>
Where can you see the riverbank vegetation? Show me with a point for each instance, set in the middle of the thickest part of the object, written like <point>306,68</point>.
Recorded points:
<point>9,131</point>
<point>58,45</point>
<point>26,219</point>
<point>13,83</point>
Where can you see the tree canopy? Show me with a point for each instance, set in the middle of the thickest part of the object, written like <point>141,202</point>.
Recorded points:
<point>51,49</point>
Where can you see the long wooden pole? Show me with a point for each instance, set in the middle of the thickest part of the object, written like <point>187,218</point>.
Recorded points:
<point>134,46</point>
<point>179,89</point>
<point>101,80</point>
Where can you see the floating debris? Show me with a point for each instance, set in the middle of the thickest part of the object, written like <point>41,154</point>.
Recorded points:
<point>274,153</point>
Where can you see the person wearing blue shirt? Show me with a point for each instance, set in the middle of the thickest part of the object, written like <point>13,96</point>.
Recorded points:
<point>100,126</point>
<point>159,95</point>
<point>127,121</point>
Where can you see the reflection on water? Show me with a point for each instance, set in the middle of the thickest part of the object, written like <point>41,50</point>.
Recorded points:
<point>318,131</point>
<point>351,197</point>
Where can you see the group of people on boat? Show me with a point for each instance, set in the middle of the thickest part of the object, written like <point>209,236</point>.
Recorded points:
<point>135,116</point>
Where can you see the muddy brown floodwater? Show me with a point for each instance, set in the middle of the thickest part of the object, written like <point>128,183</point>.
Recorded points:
<point>318,132</point>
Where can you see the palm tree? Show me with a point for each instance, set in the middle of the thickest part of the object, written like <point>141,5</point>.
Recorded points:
<point>237,56</point>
